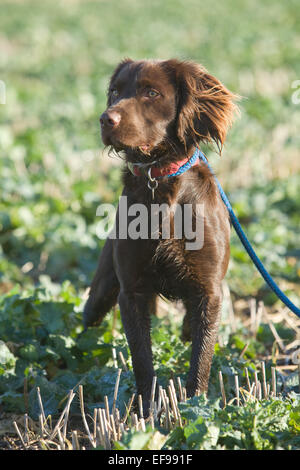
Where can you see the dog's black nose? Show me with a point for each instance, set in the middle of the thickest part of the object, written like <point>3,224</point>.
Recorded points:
<point>110,119</point>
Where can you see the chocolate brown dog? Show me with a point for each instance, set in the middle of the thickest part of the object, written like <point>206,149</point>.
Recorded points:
<point>158,112</point>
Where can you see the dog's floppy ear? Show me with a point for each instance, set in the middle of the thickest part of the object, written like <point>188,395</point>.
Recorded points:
<point>205,107</point>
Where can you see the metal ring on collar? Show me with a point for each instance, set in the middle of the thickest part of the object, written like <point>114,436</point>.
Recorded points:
<point>150,182</point>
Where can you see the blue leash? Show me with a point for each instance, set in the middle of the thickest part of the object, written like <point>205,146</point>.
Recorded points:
<point>247,244</point>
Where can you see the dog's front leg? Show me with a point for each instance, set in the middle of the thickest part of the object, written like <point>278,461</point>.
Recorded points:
<point>137,301</point>
<point>104,289</point>
<point>204,314</point>
<point>136,310</point>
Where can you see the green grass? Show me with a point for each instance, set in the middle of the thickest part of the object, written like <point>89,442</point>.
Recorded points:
<point>55,60</point>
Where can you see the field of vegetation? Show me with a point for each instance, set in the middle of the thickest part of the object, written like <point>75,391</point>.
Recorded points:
<point>55,62</point>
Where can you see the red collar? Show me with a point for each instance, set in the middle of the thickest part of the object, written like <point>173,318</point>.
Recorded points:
<point>173,169</point>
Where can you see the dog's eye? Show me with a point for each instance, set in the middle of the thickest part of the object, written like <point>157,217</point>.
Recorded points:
<point>114,92</point>
<point>152,93</point>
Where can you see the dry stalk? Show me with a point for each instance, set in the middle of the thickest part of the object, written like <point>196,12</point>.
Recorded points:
<point>75,442</point>
<point>165,401</point>
<point>61,441</point>
<point>117,422</point>
<point>172,402</point>
<point>122,429</point>
<point>275,334</point>
<point>222,388</point>
<point>160,401</point>
<point>26,428</point>
<point>152,396</point>
<point>65,414</point>
<point>128,409</point>
<point>140,400</point>
<point>135,421</point>
<point>114,355</point>
<point>101,429</point>
<point>180,389</point>
<point>256,381</point>
<point>264,383</point>
<point>151,419</point>
<point>237,389</point>
<point>95,424</point>
<point>41,428</point>
<point>106,404</point>
<point>113,427</point>
<point>44,426</point>
<point>142,423</point>
<point>249,393</point>
<point>259,394</point>
<point>80,389</point>
<point>123,362</point>
<point>20,435</point>
<point>243,350</point>
<point>106,432</point>
<point>116,391</point>
<point>247,379</point>
<point>253,391</point>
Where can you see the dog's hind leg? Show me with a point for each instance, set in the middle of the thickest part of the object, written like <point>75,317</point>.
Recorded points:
<point>104,290</point>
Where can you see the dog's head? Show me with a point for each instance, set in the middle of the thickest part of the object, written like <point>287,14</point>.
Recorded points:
<point>156,107</point>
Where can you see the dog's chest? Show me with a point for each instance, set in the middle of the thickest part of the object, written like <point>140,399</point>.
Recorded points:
<point>170,268</point>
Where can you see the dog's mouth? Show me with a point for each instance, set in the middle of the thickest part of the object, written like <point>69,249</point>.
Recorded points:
<point>144,148</point>
<point>119,146</point>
